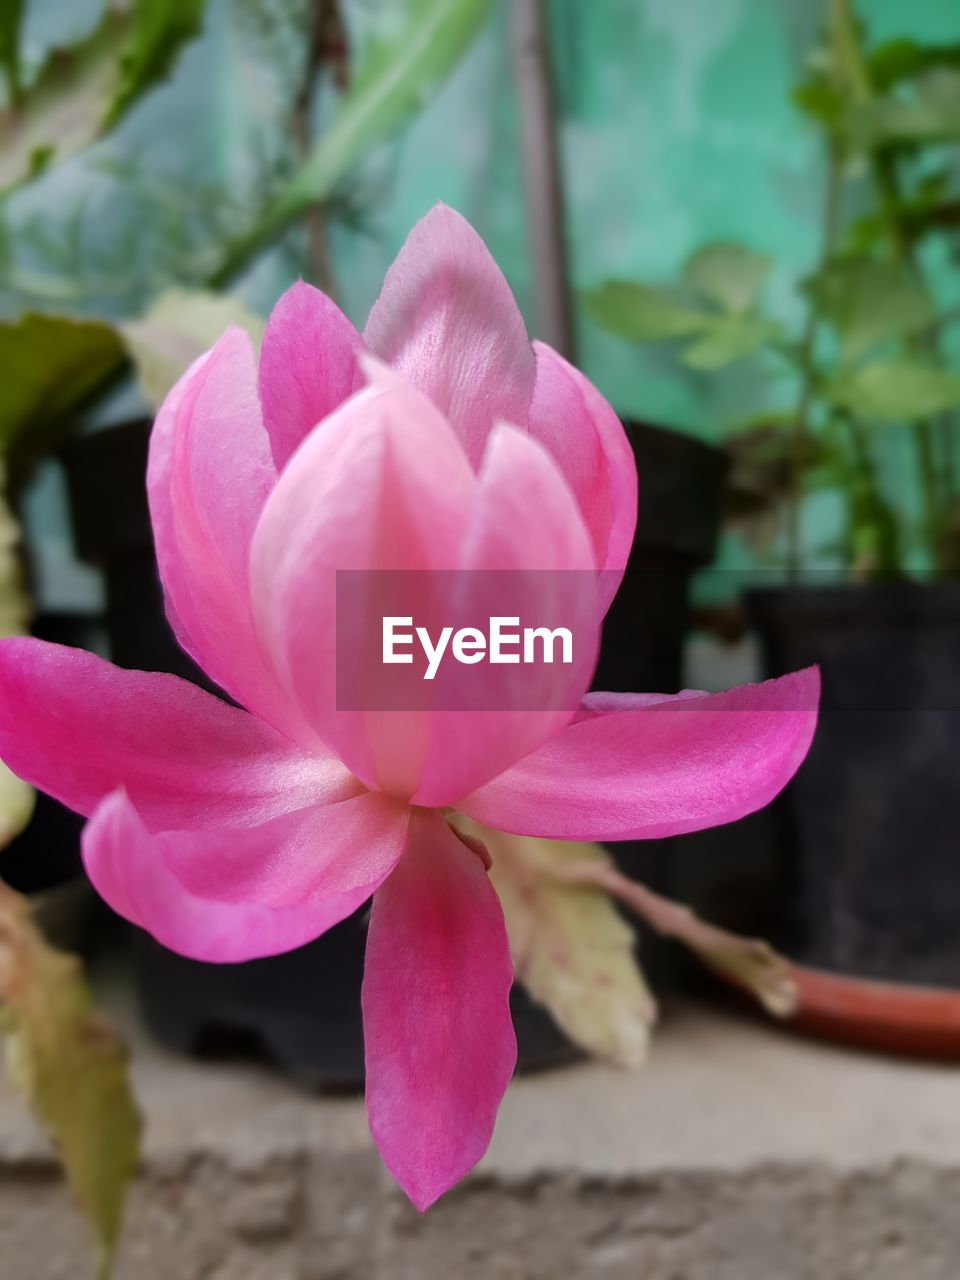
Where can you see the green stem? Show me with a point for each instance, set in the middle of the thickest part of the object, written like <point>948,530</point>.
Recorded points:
<point>807,365</point>
<point>849,59</point>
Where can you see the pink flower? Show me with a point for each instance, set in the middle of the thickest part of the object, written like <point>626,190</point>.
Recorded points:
<point>232,833</point>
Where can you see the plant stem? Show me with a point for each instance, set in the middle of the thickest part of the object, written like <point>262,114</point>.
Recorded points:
<point>850,60</point>
<point>801,431</point>
<point>749,962</point>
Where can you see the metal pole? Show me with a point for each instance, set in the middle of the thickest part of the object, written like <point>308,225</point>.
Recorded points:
<point>543,188</point>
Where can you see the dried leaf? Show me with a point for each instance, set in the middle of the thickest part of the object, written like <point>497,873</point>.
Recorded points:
<point>571,948</point>
<point>71,1068</point>
<point>180,325</point>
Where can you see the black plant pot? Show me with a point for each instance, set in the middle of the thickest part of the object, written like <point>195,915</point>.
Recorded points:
<point>303,1009</point>
<point>869,825</point>
<point>682,489</point>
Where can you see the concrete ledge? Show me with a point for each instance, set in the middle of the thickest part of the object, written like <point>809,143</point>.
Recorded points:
<point>740,1153</point>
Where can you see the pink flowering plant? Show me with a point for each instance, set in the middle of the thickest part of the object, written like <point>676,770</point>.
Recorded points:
<point>440,440</point>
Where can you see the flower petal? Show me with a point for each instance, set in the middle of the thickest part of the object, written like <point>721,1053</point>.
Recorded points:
<point>78,728</point>
<point>447,321</point>
<point>308,366</point>
<point>586,438</point>
<point>208,476</point>
<point>526,554</point>
<point>227,896</point>
<point>383,487</point>
<point>440,1046</point>
<point>660,769</point>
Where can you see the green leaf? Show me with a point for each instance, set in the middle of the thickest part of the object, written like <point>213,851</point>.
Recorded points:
<point>894,61</point>
<point>11,20</point>
<point>179,326</point>
<point>727,274</point>
<point>896,391</point>
<point>869,302</point>
<point>399,70</point>
<point>71,1068</point>
<point>643,313</point>
<point>820,99</point>
<point>728,339</point>
<point>83,90</point>
<point>48,366</point>
<point>160,28</point>
<point>571,948</point>
<point>931,114</point>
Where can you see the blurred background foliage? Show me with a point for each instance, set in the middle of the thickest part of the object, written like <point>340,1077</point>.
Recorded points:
<point>660,120</point>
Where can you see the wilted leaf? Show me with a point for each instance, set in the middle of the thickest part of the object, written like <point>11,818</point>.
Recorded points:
<point>869,302</point>
<point>84,89</point>
<point>48,365</point>
<point>71,1068</point>
<point>730,338</point>
<point>643,313</point>
<point>572,950</point>
<point>727,274</point>
<point>896,391</point>
<point>179,326</point>
<point>401,67</point>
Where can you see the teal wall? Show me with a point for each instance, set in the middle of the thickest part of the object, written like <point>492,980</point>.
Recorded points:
<point>677,128</point>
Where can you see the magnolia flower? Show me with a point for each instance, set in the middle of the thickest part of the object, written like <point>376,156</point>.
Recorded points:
<point>439,440</point>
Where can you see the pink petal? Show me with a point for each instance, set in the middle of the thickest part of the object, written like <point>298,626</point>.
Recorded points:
<point>586,438</point>
<point>440,1046</point>
<point>308,366</point>
<point>227,896</point>
<point>660,769</point>
<point>447,321</point>
<point>208,476</point>
<point>78,728</point>
<point>526,554</point>
<point>381,487</point>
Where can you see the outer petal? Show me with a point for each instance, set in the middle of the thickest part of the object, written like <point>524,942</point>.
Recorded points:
<point>586,438</point>
<point>447,321</point>
<point>208,476</point>
<point>381,487</point>
<point>659,770</point>
<point>227,896</point>
<point>308,366</point>
<point>78,728</point>
<point>440,1046</point>
<point>526,554</point>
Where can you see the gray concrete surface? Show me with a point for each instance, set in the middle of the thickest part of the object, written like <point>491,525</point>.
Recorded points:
<point>739,1153</point>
